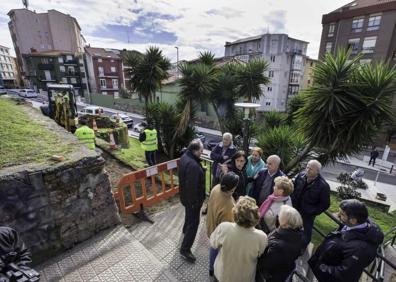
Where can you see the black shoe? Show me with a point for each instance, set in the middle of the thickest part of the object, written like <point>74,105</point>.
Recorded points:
<point>211,273</point>
<point>188,256</point>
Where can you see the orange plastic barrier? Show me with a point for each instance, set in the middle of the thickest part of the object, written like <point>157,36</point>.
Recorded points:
<point>144,179</point>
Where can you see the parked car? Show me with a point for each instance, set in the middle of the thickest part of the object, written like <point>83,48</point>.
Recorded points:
<point>125,119</point>
<point>91,110</point>
<point>27,93</point>
<point>140,126</point>
<point>199,135</point>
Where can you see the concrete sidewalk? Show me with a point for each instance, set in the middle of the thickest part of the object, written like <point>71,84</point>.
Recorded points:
<point>364,164</point>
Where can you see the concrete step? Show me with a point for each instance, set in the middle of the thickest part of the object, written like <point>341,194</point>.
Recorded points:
<point>112,255</point>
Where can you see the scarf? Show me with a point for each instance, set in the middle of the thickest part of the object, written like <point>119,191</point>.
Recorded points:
<point>268,202</point>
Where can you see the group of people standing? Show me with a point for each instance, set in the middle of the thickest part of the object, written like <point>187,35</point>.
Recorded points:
<point>259,221</point>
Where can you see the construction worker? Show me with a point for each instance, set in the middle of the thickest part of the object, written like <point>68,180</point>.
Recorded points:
<point>86,135</point>
<point>149,143</point>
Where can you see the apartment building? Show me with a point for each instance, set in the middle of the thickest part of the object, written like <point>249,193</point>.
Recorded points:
<point>364,26</point>
<point>286,57</point>
<point>7,70</point>
<point>105,71</point>
<point>41,34</point>
<point>56,67</point>
<point>308,72</point>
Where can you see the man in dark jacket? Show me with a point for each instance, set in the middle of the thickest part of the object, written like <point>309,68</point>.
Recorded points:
<point>311,196</point>
<point>373,156</point>
<point>12,250</point>
<point>346,252</point>
<point>263,185</point>
<point>192,194</point>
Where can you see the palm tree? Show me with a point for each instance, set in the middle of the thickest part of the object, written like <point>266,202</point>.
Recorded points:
<point>147,71</point>
<point>250,78</point>
<point>345,107</point>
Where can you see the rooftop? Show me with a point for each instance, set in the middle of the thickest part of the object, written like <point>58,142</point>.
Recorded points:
<point>101,52</point>
<point>258,37</point>
<point>361,4</point>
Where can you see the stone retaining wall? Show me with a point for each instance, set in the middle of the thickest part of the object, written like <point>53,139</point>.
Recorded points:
<point>58,206</point>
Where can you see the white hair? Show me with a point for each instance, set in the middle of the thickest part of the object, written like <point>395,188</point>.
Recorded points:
<point>290,216</point>
<point>227,135</point>
<point>316,164</point>
<point>275,158</point>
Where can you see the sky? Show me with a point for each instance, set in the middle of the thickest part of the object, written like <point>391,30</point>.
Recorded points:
<point>191,25</point>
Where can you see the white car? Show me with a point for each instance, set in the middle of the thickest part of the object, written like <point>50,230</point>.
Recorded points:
<point>27,93</point>
<point>125,119</point>
<point>91,110</point>
<point>140,126</point>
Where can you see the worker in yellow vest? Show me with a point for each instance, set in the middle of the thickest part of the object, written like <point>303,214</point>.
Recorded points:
<point>86,135</point>
<point>149,143</point>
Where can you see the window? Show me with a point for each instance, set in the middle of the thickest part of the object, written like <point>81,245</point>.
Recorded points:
<point>331,30</point>
<point>269,89</point>
<point>100,60</point>
<point>112,61</point>
<point>369,44</point>
<point>267,103</point>
<point>115,83</point>
<point>272,58</point>
<point>394,55</point>
<point>73,80</point>
<point>113,69</point>
<point>104,93</point>
<point>64,79</point>
<point>70,70</point>
<point>47,74</point>
<point>294,77</point>
<point>357,24</point>
<point>62,68</point>
<point>102,83</point>
<point>271,73</point>
<point>309,82</point>
<point>374,23</point>
<point>101,71</point>
<point>44,60</point>
<point>353,44</point>
<point>117,95</point>
<point>69,57</point>
<point>328,47</point>
<point>60,60</point>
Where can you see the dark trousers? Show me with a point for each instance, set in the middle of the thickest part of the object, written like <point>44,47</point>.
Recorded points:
<point>308,222</point>
<point>372,159</point>
<point>190,227</point>
<point>150,157</point>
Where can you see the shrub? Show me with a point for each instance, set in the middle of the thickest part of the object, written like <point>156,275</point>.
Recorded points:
<point>348,192</point>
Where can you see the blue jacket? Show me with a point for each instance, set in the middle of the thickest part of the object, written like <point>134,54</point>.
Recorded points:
<point>258,183</point>
<point>218,158</point>
<point>342,256</point>
<point>310,199</point>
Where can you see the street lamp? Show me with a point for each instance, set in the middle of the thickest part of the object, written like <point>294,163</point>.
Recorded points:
<point>246,122</point>
<point>177,60</point>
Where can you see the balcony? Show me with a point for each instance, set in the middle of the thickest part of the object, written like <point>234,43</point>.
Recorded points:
<point>73,62</point>
<point>45,67</point>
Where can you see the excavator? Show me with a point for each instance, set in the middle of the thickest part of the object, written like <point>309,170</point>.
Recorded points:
<point>62,105</point>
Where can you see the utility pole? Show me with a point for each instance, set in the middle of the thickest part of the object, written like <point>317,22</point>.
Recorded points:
<point>177,60</point>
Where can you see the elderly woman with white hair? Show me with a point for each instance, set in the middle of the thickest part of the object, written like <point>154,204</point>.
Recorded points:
<point>221,153</point>
<point>284,246</point>
<point>239,243</point>
<point>311,196</point>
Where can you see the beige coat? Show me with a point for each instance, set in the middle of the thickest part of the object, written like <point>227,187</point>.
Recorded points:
<point>219,209</point>
<point>239,249</point>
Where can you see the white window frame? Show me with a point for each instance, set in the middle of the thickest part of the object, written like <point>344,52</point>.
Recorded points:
<point>69,57</point>
<point>331,30</point>
<point>116,94</point>
<point>368,46</point>
<point>60,60</point>
<point>374,22</point>
<point>113,69</point>
<point>114,82</point>
<point>100,60</point>
<point>271,73</point>
<point>101,71</point>
<point>357,24</point>
<point>354,43</point>
<point>73,80</point>
<point>328,47</point>
<point>62,69</point>
<point>102,83</point>
<point>64,80</point>
<point>104,92</point>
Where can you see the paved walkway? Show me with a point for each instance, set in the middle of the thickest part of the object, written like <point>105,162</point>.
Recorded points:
<point>145,252</point>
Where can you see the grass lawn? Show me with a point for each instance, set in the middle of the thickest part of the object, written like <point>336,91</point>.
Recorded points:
<point>134,155</point>
<point>23,140</point>
<point>385,220</point>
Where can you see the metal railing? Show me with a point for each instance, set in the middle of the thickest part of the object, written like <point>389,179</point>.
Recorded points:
<point>376,270</point>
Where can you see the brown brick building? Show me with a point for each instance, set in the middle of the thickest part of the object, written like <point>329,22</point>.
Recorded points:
<point>105,72</point>
<point>366,26</point>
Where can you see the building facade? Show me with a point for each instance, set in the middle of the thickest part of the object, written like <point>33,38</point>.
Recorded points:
<point>56,67</point>
<point>286,58</point>
<point>35,33</point>
<point>105,71</point>
<point>364,26</point>
<point>7,70</point>
<point>308,73</point>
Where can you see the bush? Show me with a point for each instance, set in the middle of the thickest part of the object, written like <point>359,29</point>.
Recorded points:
<point>124,93</point>
<point>346,179</point>
<point>348,192</point>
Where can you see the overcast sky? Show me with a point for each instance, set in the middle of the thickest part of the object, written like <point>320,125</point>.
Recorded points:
<point>192,25</point>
